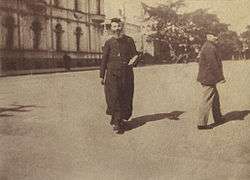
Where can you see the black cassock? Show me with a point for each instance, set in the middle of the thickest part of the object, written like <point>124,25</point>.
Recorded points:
<point>119,76</point>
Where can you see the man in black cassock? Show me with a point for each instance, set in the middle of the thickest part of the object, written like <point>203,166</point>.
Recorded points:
<point>116,73</point>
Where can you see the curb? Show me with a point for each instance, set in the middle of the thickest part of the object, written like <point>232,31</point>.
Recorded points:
<point>45,71</point>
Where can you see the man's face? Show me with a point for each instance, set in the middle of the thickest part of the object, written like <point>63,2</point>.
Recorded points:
<point>212,38</point>
<point>116,27</point>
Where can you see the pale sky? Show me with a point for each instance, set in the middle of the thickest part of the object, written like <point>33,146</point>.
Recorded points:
<point>234,12</point>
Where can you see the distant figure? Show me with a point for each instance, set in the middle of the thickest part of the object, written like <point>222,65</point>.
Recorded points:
<point>210,73</point>
<point>244,51</point>
<point>67,61</point>
<point>116,73</point>
<point>195,53</point>
<point>186,54</point>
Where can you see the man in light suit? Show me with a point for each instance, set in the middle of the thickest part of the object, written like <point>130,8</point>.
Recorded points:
<point>210,73</point>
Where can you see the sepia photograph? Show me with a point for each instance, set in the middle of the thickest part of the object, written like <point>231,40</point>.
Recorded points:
<point>124,89</point>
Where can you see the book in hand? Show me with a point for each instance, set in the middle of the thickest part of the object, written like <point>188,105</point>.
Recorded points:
<point>132,60</point>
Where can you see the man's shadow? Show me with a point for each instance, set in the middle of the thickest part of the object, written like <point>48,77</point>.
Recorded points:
<point>140,121</point>
<point>14,128</point>
<point>232,116</point>
<point>14,108</point>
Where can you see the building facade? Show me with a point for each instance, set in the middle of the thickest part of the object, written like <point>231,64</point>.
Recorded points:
<point>36,34</point>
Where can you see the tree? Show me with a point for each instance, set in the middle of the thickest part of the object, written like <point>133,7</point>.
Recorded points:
<point>229,44</point>
<point>246,35</point>
<point>248,27</point>
<point>246,41</point>
<point>175,28</point>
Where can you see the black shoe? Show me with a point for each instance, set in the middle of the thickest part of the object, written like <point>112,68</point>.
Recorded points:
<point>219,121</point>
<point>118,129</point>
<point>206,127</point>
<point>112,123</point>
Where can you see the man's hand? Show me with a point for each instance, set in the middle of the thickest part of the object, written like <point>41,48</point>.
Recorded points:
<point>102,81</point>
<point>223,81</point>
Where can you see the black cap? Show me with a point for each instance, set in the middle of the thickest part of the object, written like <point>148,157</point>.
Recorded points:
<point>211,33</point>
<point>117,20</point>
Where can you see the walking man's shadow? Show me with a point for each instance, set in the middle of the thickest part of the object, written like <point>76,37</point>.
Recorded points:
<point>140,121</point>
<point>232,116</point>
<point>14,108</point>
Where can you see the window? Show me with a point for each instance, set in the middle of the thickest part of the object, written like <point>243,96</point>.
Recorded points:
<point>9,24</point>
<point>56,2</point>
<point>76,5</point>
<point>36,28</point>
<point>59,31</point>
<point>78,38</point>
<point>98,6</point>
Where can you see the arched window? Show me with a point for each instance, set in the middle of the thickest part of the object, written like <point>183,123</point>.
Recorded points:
<point>9,24</point>
<point>36,28</point>
<point>76,5</point>
<point>59,31</point>
<point>98,6</point>
<point>57,2</point>
<point>78,34</point>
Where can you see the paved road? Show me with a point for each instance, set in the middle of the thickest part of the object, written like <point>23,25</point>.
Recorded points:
<point>54,127</point>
